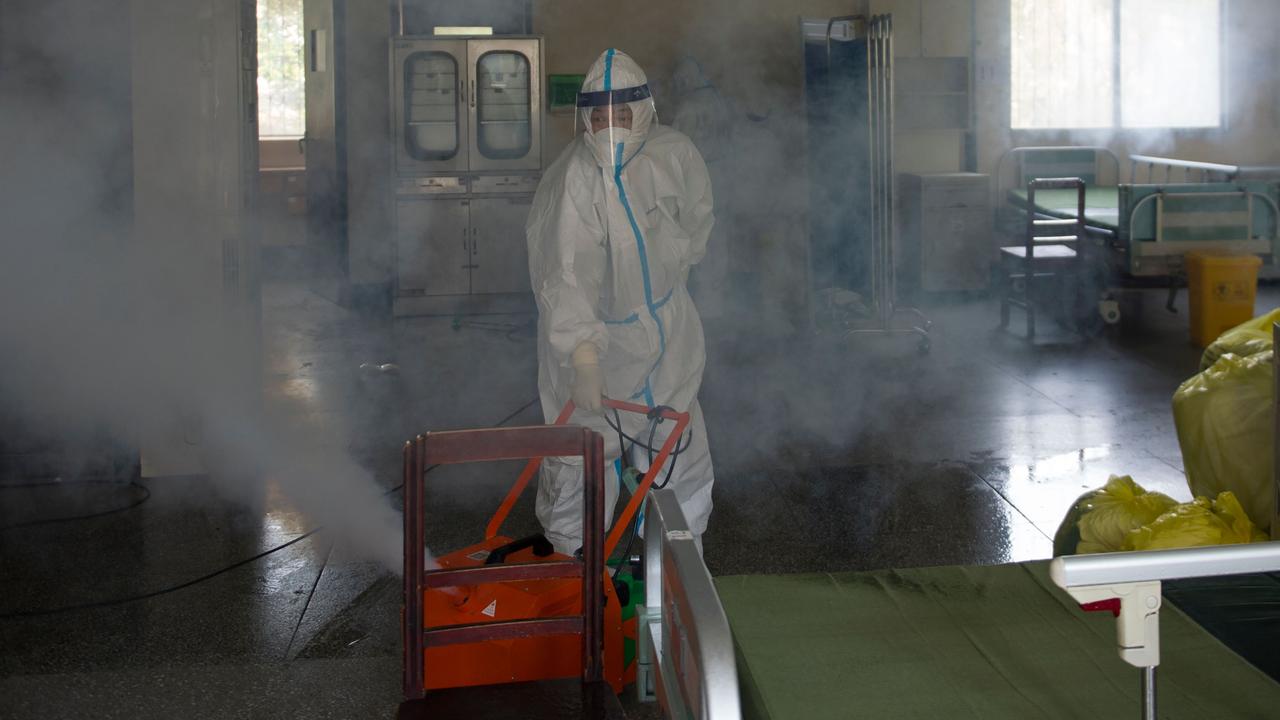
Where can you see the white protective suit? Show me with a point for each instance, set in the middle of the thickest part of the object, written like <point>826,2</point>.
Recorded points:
<point>617,222</point>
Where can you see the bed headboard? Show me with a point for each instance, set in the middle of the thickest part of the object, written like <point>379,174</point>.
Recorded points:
<point>1024,164</point>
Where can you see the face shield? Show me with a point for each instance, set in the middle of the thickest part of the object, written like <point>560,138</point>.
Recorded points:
<point>610,115</point>
<point>615,119</point>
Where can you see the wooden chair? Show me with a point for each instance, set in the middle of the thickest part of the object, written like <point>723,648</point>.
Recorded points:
<point>584,697</point>
<point>1044,258</point>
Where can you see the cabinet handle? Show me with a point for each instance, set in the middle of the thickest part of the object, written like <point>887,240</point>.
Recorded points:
<point>473,93</point>
<point>475,246</point>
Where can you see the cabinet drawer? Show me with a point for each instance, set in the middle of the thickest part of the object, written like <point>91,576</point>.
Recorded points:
<point>956,250</point>
<point>943,195</point>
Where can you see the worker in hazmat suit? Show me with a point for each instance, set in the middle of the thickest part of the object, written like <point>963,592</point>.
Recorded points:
<point>617,222</point>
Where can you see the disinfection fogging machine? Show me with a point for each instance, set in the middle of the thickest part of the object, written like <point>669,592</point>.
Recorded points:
<point>472,621</point>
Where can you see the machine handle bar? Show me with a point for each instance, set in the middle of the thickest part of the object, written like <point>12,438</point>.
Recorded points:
<point>633,505</point>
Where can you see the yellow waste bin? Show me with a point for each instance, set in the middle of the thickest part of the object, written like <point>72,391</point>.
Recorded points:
<point>1220,290</point>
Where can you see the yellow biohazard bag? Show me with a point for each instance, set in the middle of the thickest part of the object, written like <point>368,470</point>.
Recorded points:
<point>1100,519</point>
<point>1248,338</point>
<point>1224,421</point>
<point>1197,523</point>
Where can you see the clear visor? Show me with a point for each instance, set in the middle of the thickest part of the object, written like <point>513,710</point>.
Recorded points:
<point>610,109</point>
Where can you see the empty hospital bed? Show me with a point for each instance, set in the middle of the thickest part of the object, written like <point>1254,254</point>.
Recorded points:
<point>1002,641</point>
<point>1139,233</point>
<point>985,642</point>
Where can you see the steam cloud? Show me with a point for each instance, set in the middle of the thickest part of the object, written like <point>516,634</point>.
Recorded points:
<point>97,329</point>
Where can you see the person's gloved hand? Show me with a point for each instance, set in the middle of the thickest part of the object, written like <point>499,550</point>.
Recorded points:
<point>588,378</point>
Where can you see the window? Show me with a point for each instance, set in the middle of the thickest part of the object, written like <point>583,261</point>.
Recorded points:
<point>1115,63</point>
<point>281,78</point>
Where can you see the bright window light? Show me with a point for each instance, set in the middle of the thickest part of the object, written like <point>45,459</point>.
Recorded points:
<point>1115,63</point>
<point>1169,63</point>
<point>1062,59</point>
<point>281,70</point>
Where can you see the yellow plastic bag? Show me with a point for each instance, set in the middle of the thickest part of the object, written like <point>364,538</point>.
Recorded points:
<point>1197,523</point>
<point>1100,519</point>
<point>1223,416</point>
<point>1248,338</point>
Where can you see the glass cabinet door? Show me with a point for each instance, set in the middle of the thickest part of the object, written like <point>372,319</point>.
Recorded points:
<point>432,117</point>
<point>503,105</point>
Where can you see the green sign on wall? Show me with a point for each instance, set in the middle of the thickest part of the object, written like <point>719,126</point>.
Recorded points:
<point>562,90</point>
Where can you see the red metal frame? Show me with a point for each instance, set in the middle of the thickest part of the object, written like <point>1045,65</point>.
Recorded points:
<point>466,446</point>
<point>633,505</point>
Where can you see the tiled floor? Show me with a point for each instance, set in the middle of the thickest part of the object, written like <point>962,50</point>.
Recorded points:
<point>829,456</point>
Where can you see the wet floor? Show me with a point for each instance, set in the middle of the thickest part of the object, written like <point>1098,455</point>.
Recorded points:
<point>829,456</point>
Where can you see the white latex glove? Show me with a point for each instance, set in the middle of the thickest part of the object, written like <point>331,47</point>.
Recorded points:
<point>588,378</point>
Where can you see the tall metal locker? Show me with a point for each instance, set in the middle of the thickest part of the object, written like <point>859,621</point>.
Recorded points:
<point>467,129</point>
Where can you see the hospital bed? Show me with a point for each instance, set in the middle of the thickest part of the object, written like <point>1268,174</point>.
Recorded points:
<point>1139,233</point>
<point>988,642</point>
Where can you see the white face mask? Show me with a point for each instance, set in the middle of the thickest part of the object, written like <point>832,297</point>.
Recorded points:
<point>604,144</point>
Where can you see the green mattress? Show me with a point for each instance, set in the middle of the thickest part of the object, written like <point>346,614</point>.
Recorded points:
<point>964,642</point>
<point>1100,204</point>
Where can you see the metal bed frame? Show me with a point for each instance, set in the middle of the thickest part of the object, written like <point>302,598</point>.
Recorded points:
<point>1128,585</point>
<point>1209,172</point>
<point>685,659</point>
<point>1134,197</point>
<point>686,654</point>
<point>1138,253</point>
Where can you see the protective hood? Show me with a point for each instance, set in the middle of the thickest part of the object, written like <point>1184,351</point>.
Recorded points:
<point>615,79</point>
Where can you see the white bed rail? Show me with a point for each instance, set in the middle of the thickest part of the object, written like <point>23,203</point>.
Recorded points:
<point>1208,172</point>
<point>685,658</point>
<point>1128,585</point>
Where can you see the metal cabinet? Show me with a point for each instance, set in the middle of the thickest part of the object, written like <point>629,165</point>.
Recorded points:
<point>499,256</point>
<point>461,246</point>
<point>433,246</point>
<point>946,235</point>
<point>428,87</point>
<point>467,124</point>
<point>466,104</point>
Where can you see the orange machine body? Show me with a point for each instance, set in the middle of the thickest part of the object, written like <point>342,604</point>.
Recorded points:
<point>535,658</point>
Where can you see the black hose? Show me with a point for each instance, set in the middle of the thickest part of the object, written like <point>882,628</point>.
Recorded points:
<point>146,495</point>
